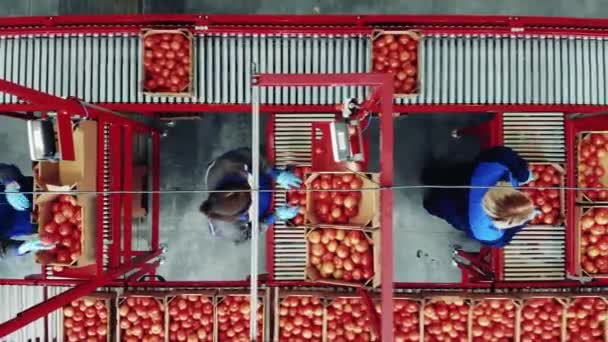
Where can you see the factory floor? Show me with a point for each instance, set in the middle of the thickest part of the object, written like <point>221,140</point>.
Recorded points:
<point>423,244</point>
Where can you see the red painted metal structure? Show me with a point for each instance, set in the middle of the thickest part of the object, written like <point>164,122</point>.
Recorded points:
<point>122,260</point>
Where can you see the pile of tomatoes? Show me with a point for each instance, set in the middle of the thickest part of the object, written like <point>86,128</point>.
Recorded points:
<point>593,150</point>
<point>348,320</point>
<point>141,318</point>
<point>341,254</point>
<point>233,318</point>
<point>167,62</point>
<point>406,320</point>
<point>191,318</point>
<point>586,317</point>
<point>339,206</point>
<point>493,320</point>
<point>398,54</point>
<point>446,320</point>
<point>297,197</point>
<point>86,320</point>
<point>301,319</point>
<point>64,231</point>
<point>594,240</point>
<point>541,320</point>
<point>547,200</point>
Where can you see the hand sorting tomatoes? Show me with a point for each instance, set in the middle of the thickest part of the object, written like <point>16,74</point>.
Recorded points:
<point>64,231</point>
<point>398,54</point>
<point>339,205</point>
<point>341,254</point>
<point>191,318</point>
<point>233,319</point>
<point>348,320</point>
<point>493,320</point>
<point>86,320</point>
<point>406,319</point>
<point>167,62</point>
<point>547,200</point>
<point>593,150</point>
<point>141,318</point>
<point>446,320</point>
<point>594,240</point>
<point>586,318</point>
<point>298,197</point>
<point>301,319</point>
<point>541,320</point>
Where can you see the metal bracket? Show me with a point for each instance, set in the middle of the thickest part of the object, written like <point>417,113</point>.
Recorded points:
<point>581,279</point>
<point>575,116</point>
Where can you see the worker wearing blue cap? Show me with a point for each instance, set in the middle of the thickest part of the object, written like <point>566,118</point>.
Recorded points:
<point>228,211</point>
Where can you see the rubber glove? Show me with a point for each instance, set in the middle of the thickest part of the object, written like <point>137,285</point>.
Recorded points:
<point>16,199</point>
<point>534,214</point>
<point>530,178</point>
<point>286,212</point>
<point>288,180</point>
<point>33,245</point>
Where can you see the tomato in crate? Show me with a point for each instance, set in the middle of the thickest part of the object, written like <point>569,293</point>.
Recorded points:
<point>542,319</point>
<point>190,317</point>
<point>347,319</point>
<point>343,256</point>
<point>545,193</point>
<point>591,243</point>
<point>592,164</point>
<point>87,319</point>
<point>494,319</point>
<point>301,317</point>
<point>396,52</point>
<point>586,319</point>
<point>167,62</point>
<point>141,318</point>
<point>297,197</point>
<point>61,226</point>
<point>407,320</point>
<point>445,318</point>
<point>233,318</point>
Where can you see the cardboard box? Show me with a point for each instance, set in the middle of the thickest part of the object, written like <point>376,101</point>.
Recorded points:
<point>331,298</point>
<point>369,204</point>
<point>263,299</point>
<point>558,299</point>
<point>279,298</point>
<point>578,248</point>
<point>404,299</point>
<point>415,35</point>
<point>562,197</point>
<point>67,176</point>
<point>373,236</point>
<point>189,90</point>
<point>448,299</point>
<point>572,301</point>
<point>159,297</point>
<point>107,298</point>
<point>174,295</point>
<point>603,162</point>
<point>476,300</point>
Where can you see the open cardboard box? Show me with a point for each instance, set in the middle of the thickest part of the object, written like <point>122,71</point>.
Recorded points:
<point>263,299</point>
<point>414,35</point>
<point>174,295</point>
<point>603,162</point>
<point>373,236</point>
<point>578,233</point>
<point>369,205</point>
<point>107,299</point>
<point>563,301</point>
<point>571,301</point>
<point>158,296</point>
<point>280,297</point>
<point>68,176</point>
<point>476,299</point>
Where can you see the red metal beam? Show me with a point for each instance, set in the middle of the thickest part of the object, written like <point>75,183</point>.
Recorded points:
<point>127,185</point>
<point>56,302</point>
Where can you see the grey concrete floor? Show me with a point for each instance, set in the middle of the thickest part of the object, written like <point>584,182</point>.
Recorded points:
<point>422,243</point>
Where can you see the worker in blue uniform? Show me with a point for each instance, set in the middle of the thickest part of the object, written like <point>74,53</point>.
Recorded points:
<point>228,211</point>
<point>492,210</point>
<point>17,233</point>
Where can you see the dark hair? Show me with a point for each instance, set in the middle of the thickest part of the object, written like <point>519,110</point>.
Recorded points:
<point>229,204</point>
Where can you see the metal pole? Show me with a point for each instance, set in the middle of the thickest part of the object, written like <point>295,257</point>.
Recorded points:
<point>255,165</point>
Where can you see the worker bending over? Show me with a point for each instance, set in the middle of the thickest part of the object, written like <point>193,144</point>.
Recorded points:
<point>228,211</point>
<point>492,211</point>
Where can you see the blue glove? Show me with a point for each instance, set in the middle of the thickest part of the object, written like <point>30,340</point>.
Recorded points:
<point>33,245</point>
<point>16,199</point>
<point>286,212</point>
<point>288,180</point>
<point>530,178</point>
<point>535,213</point>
